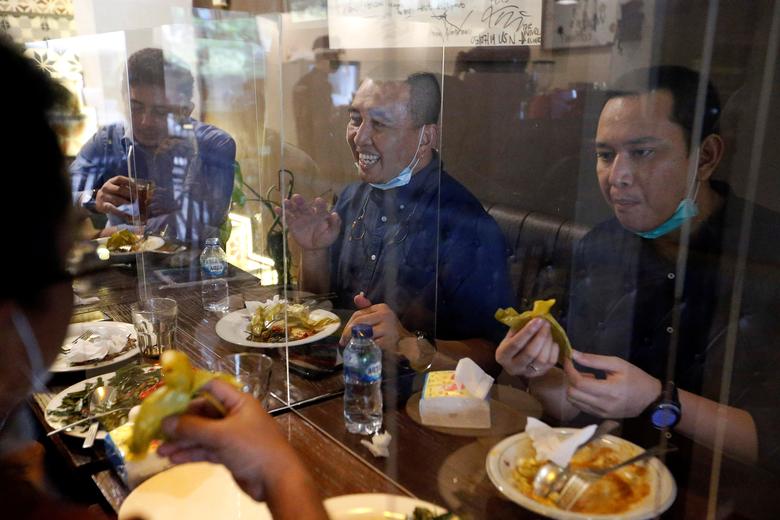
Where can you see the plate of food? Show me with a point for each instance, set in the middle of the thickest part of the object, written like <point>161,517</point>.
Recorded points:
<point>124,245</point>
<point>639,491</point>
<point>276,323</point>
<point>370,506</point>
<point>95,345</point>
<point>132,383</point>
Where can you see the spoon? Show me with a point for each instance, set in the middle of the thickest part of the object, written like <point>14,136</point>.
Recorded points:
<point>551,477</point>
<point>101,398</point>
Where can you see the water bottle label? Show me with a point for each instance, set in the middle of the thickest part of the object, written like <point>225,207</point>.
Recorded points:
<point>369,374</point>
<point>214,266</point>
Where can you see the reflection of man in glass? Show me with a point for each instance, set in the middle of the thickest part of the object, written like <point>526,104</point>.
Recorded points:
<point>635,304</point>
<point>316,117</point>
<point>189,163</point>
<point>408,246</point>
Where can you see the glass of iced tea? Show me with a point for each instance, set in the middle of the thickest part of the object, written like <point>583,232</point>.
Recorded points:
<point>142,191</point>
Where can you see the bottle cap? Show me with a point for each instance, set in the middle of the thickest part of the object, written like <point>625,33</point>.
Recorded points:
<point>213,241</point>
<point>362,330</point>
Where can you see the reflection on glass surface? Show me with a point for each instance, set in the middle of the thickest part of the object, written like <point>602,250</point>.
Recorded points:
<point>527,166</point>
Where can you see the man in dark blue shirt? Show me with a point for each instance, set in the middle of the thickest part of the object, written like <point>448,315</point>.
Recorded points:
<point>673,303</point>
<point>409,246</point>
<point>189,163</point>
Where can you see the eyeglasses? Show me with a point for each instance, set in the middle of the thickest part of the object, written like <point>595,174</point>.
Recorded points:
<point>401,232</point>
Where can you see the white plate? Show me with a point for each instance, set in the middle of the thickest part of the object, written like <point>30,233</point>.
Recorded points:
<point>150,245</point>
<point>371,506</point>
<point>232,328</point>
<point>103,328</point>
<point>503,456</point>
<point>79,431</point>
<point>202,490</point>
<point>195,491</point>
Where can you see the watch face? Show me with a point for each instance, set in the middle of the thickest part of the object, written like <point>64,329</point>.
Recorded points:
<point>665,416</point>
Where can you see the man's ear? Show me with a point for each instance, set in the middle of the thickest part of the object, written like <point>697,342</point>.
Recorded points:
<point>710,154</point>
<point>430,138</point>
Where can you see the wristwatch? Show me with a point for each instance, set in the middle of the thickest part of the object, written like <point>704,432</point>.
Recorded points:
<point>88,199</point>
<point>666,411</point>
<point>426,348</point>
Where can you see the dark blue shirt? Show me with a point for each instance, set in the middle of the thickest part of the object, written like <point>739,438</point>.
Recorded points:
<point>428,250</point>
<point>193,176</point>
<point>623,305</point>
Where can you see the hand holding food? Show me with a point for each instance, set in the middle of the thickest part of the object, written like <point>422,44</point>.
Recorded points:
<point>249,443</point>
<point>541,309</point>
<point>529,351</point>
<point>181,382</point>
<point>625,392</point>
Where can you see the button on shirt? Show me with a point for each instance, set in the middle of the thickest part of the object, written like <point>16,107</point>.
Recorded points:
<point>441,266</point>
<point>193,176</point>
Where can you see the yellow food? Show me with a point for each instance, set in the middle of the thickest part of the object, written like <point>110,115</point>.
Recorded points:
<point>181,383</point>
<point>122,240</point>
<point>541,309</point>
<point>616,493</point>
<point>269,322</point>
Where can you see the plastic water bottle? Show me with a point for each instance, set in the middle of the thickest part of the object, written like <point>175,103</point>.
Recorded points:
<point>213,264</point>
<point>362,381</point>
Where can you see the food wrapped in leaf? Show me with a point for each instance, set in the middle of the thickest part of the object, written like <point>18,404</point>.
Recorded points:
<point>541,309</point>
<point>182,382</point>
<point>121,241</point>
<point>268,322</point>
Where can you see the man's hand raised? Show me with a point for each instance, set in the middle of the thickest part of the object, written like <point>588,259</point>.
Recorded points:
<point>311,224</point>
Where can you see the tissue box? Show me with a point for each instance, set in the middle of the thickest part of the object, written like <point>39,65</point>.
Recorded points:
<point>133,469</point>
<point>447,404</point>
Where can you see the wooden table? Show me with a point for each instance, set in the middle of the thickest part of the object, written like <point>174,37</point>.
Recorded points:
<point>445,469</point>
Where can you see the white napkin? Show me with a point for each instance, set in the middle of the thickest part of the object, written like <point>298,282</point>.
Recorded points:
<point>549,446</point>
<point>95,348</point>
<point>473,378</point>
<point>379,445</point>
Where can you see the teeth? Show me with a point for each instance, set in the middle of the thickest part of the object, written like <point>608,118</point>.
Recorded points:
<point>367,159</point>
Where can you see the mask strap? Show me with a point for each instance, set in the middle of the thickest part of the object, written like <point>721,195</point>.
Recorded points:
<point>414,157</point>
<point>31,347</point>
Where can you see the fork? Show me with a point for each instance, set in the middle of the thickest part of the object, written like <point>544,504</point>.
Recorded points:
<point>84,335</point>
<point>578,482</point>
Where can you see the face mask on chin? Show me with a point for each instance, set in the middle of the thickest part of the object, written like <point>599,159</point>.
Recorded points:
<point>403,178</point>
<point>685,210</point>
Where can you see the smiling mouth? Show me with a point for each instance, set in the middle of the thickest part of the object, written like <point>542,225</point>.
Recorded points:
<point>367,160</point>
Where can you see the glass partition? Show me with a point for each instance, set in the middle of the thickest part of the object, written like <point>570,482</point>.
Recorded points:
<point>579,197</point>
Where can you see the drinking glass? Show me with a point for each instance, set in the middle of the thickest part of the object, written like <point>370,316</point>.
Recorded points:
<point>155,325</point>
<point>143,192</point>
<point>253,372</point>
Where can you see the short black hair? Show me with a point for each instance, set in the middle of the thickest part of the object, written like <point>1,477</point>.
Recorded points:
<point>149,67</point>
<point>424,98</point>
<point>32,171</point>
<point>683,84</point>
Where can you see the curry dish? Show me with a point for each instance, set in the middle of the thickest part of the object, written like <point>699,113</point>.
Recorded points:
<point>616,493</point>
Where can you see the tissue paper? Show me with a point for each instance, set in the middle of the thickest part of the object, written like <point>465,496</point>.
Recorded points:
<point>549,446</point>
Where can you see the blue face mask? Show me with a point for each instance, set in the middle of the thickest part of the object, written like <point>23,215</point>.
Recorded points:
<point>685,210</point>
<point>403,178</point>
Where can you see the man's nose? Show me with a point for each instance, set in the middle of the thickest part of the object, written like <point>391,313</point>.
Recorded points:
<point>363,134</point>
<point>621,172</point>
